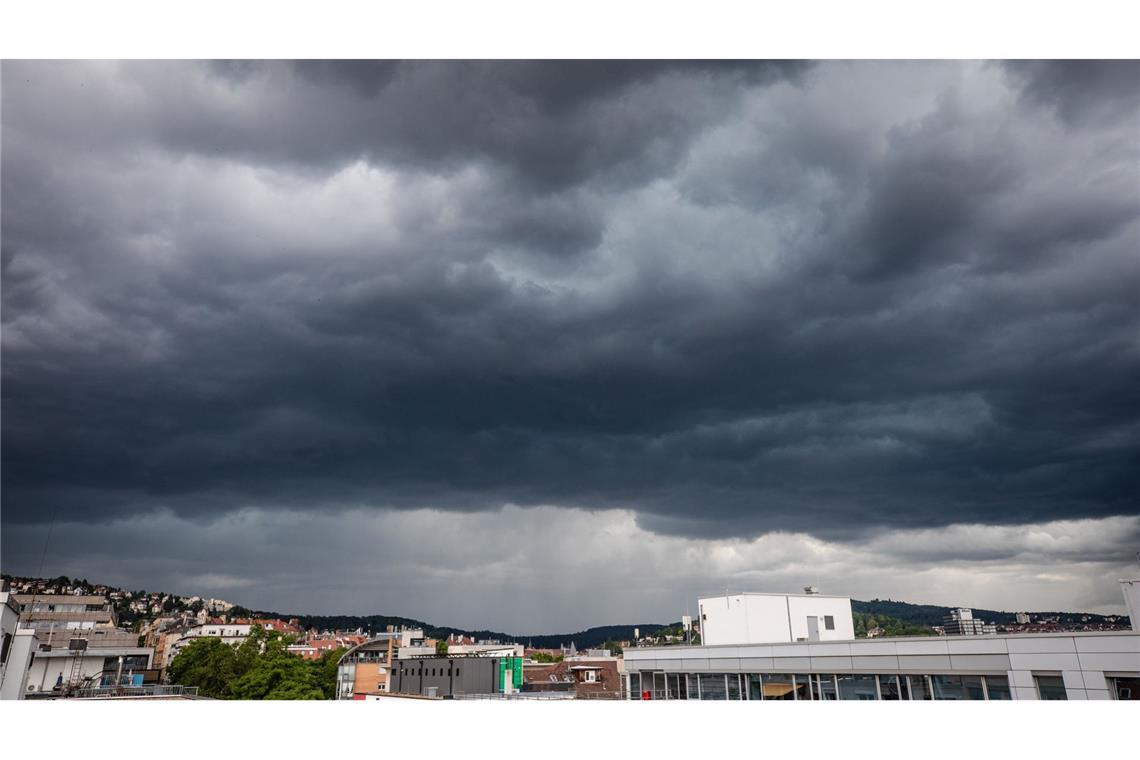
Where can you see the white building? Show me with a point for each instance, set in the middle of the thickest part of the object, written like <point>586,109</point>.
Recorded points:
<point>53,670</point>
<point>230,633</point>
<point>755,618</point>
<point>1080,665</point>
<point>1131,589</point>
<point>1084,665</point>
<point>17,649</point>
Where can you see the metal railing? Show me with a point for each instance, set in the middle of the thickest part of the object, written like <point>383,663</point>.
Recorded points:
<point>146,690</point>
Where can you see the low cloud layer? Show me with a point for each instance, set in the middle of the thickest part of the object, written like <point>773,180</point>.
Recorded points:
<point>839,300</point>
<point>547,569</point>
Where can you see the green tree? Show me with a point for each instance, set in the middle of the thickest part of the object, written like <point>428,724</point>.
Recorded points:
<point>325,670</point>
<point>441,648</point>
<point>208,663</point>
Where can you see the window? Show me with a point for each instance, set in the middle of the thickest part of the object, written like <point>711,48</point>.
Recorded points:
<point>997,687</point>
<point>755,691</point>
<point>855,687</point>
<point>1126,688</point>
<point>1051,687</point>
<point>889,687</point>
<point>825,687</point>
<point>919,687</point>
<point>733,683</point>
<point>712,686</point>
<point>829,622</point>
<point>948,687</point>
<point>778,686</point>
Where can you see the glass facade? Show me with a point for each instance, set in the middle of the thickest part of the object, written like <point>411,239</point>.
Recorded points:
<point>778,686</point>
<point>857,687</point>
<point>825,688</point>
<point>997,687</point>
<point>713,686</point>
<point>843,686</point>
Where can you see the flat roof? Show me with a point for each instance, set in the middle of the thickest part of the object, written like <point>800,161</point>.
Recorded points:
<point>886,640</point>
<point>772,593</point>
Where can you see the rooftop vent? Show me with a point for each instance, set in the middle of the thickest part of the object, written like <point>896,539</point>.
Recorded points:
<point>811,589</point>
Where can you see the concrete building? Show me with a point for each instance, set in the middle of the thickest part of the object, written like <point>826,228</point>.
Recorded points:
<point>758,618</point>
<point>1022,618</point>
<point>1072,665</point>
<point>230,633</point>
<point>367,668</point>
<point>65,612</point>
<point>59,670</point>
<point>1085,665</point>
<point>459,676</point>
<point>17,649</point>
<point>961,622</point>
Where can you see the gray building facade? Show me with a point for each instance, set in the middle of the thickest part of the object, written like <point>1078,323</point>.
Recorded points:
<point>448,676</point>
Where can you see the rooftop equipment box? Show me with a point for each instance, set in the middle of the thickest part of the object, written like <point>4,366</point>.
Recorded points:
<point>753,618</point>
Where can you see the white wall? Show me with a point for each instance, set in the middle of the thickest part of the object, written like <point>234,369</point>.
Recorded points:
<point>772,618</point>
<point>1131,589</point>
<point>20,652</point>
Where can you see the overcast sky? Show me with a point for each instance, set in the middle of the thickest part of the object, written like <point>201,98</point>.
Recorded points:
<point>543,346</point>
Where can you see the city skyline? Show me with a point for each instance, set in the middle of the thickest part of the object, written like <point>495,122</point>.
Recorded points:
<point>469,341</point>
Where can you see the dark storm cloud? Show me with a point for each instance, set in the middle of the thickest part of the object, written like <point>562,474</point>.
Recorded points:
<point>732,298</point>
<point>1082,89</point>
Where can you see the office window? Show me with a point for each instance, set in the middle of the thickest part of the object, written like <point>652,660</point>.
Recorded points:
<point>857,687</point>
<point>948,687</point>
<point>829,622</point>
<point>825,687</point>
<point>997,687</point>
<point>972,685</point>
<point>755,689</point>
<point>713,686</point>
<point>733,680</point>
<point>919,688</point>
<point>889,687</point>
<point>778,686</point>
<point>1051,687</point>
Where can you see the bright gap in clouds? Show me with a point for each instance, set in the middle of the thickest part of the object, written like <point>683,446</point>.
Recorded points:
<point>572,569</point>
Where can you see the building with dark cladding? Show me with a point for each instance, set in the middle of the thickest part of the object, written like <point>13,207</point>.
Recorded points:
<point>457,676</point>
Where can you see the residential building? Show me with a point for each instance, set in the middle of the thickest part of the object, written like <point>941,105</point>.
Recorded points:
<point>70,612</point>
<point>763,618</point>
<point>585,677</point>
<point>961,622</point>
<point>17,649</point>
<point>367,668</point>
<point>1022,618</point>
<point>84,664</point>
